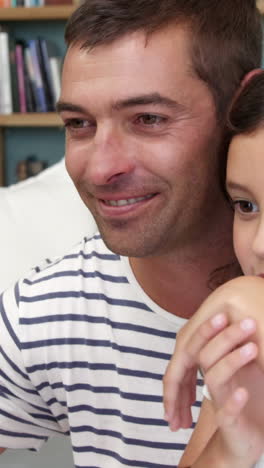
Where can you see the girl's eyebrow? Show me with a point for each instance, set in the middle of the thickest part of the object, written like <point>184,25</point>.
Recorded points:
<point>230,185</point>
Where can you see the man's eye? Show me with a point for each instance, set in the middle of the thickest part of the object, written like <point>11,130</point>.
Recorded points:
<point>77,124</point>
<point>151,119</point>
<point>245,206</point>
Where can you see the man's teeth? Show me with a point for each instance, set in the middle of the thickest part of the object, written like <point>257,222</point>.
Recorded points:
<point>130,201</point>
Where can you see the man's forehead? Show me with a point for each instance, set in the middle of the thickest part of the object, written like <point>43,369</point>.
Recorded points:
<point>159,45</point>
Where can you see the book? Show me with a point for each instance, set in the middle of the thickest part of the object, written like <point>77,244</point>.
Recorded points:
<point>31,78</point>
<point>30,98</point>
<point>46,73</point>
<point>58,2</point>
<point>28,92</point>
<point>41,98</point>
<point>4,3</point>
<point>14,80</point>
<point>55,66</point>
<point>5,76</point>
<point>21,77</point>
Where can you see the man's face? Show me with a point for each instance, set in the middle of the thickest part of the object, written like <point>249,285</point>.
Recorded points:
<point>141,141</point>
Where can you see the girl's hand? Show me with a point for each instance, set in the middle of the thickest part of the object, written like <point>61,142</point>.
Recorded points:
<point>236,382</point>
<point>214,340</point>
<point>237,299</point>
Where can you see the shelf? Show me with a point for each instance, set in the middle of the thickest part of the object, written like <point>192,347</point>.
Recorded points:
<point>34,119</point>
<point>61,12</point>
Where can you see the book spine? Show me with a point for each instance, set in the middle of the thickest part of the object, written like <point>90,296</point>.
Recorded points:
<point>21,77</point>
<point>55,66</point>
<point>58,2</point>
<point>5,79</point>
<point>46,73</point>
<point>14,81</point>
<point>30,71</point>
<point>30,102</point>
<point>32,45</point>
<point>4,3</point>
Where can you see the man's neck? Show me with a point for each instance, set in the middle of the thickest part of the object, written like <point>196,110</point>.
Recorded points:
<point>179,281</point>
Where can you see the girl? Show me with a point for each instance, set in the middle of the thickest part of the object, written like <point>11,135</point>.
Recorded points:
<point>225,337</point>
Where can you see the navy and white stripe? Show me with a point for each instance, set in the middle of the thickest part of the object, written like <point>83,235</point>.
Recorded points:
<point>83,352</point>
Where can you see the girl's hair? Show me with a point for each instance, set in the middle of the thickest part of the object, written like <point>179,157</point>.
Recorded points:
<point>247,110</point>
<point>245,115</point>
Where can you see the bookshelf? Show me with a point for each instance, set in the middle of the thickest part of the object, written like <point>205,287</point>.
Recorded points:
<point>47,119</point>
<point>22,20</point>
<point>61,12</point>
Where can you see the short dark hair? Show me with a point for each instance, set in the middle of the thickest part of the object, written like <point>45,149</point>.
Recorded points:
<point>226,35</point>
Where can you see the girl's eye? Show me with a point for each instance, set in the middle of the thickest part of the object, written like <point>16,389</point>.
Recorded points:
<point>150,119</point>
<point>245,206</point>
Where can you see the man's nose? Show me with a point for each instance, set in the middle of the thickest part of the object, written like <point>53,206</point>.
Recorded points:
<point>110,156</point>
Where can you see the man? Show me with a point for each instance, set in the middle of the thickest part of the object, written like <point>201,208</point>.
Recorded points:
<point>145,88</point>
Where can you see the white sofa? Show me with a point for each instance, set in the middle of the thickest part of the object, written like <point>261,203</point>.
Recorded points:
<point>40,218</point>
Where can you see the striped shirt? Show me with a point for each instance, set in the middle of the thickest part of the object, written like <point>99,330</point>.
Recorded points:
<point>83,352</point>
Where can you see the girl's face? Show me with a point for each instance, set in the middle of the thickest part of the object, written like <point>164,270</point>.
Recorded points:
<point>245,185</point>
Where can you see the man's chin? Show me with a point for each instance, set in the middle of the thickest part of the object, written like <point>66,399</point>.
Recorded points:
<point>126,245</point>
<point>128,240</point>
<point>124,249</point>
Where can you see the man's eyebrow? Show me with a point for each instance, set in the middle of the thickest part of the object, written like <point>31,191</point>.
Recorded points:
<point>67,106</point>
<point>146,99</point>
<point>141,100</point>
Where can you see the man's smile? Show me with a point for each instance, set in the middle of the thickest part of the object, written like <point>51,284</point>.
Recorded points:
<point>128,201</point>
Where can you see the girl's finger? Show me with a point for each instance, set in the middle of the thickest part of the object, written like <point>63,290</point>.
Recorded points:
<point>222,372</point>
<point>184,360</point>
<point>225,341</point>
<point>227,416</point>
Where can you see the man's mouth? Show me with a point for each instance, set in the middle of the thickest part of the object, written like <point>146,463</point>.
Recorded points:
<point>128,201</point>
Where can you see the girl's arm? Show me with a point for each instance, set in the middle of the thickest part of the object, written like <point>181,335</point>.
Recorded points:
<point>204,430</point>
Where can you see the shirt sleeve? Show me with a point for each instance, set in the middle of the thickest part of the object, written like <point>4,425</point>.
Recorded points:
<point>26,422</point>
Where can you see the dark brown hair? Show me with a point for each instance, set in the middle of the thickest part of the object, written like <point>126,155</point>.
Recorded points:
<point>245,116</point>
<point>247,110</point>
<point>225,34</point>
